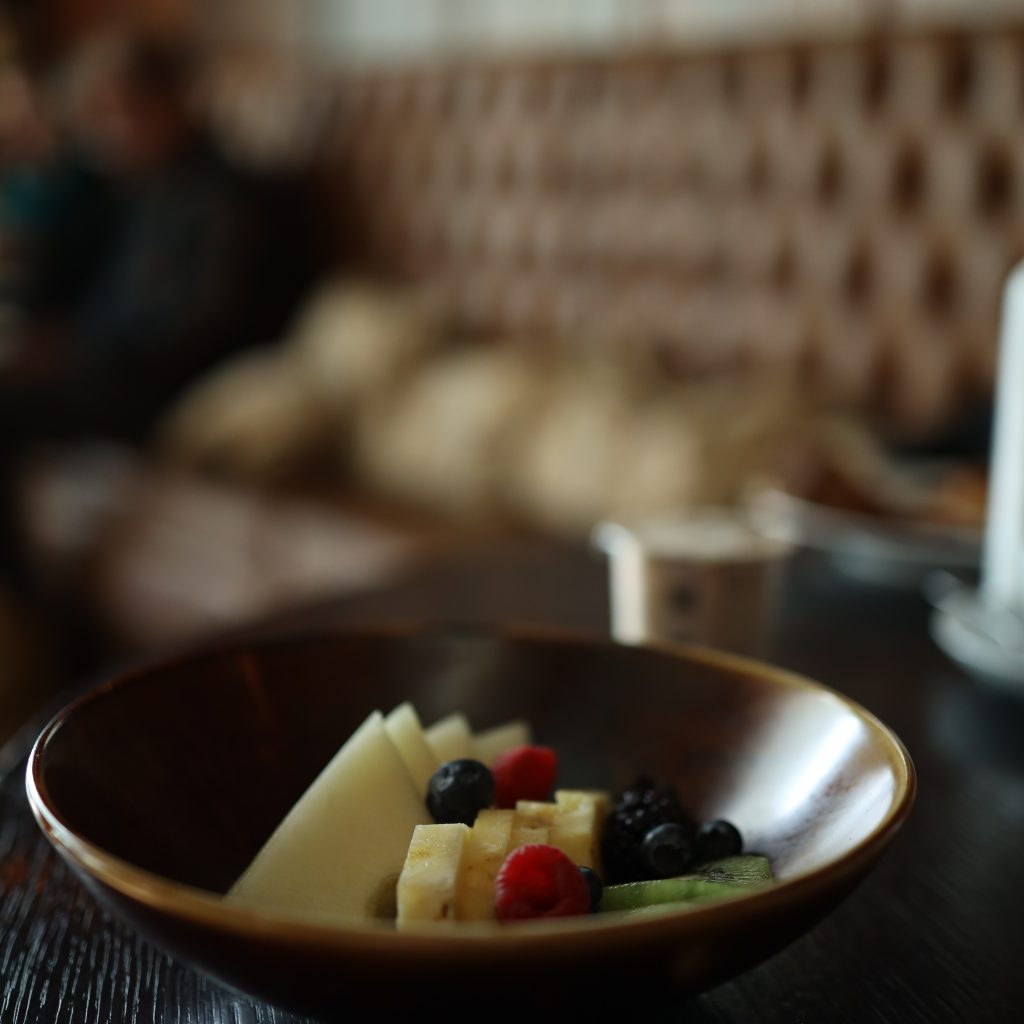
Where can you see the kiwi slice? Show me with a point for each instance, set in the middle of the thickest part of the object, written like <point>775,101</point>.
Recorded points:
<point>745,869</point>
<point>716,880</point>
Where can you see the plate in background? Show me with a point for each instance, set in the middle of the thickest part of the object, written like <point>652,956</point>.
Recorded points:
<point>872,549</point>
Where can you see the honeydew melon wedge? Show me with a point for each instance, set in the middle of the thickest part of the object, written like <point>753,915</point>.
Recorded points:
<point>451,739</point>
<point>344,838</point>
<point>430,876</point>
<point>492,743</point>
<point>406,732</point>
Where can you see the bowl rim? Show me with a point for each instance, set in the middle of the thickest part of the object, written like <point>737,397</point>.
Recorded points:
<point>199,907</point>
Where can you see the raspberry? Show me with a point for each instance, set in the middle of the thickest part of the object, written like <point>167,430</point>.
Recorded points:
<point>524,773</point>
<point>537,880</point>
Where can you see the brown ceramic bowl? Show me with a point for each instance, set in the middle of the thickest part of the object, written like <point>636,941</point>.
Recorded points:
<point>160,786</point>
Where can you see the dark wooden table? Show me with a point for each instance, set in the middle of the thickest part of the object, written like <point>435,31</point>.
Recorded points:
<point>934,935</point>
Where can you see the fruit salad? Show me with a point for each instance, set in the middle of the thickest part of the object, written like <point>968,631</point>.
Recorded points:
<point>439,826</point>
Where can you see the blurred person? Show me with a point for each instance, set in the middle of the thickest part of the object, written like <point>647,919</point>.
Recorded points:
<point>168,261</point>
<point>44,190</point>
<point>26,146</point>
<point>164,260</point>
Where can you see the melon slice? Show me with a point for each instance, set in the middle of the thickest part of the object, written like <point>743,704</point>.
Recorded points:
<point>492,743</point>
<point>345,837</point>
<point>451,739</point>
<point>406,732</point>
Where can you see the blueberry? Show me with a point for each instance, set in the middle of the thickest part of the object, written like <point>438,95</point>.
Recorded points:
<point>458,790</point>
<point>590,876</point>
<point>668,849</point>
<point>717,839</point>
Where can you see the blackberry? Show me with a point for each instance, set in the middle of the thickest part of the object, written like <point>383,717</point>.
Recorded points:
<point>636,793</point>
<point>637,810</point>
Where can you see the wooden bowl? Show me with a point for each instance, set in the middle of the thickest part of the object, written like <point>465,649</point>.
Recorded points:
<point>160,786</point>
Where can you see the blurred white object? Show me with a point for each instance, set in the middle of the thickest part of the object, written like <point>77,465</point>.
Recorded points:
<point>274,413</point>
<point>709,578</point>
<point>984,629</point>
<point>355,339</point>
<point>255,417</point>
<point>1003,564</point>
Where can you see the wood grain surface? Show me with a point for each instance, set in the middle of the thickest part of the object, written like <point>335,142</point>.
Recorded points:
<point>934,935</point>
